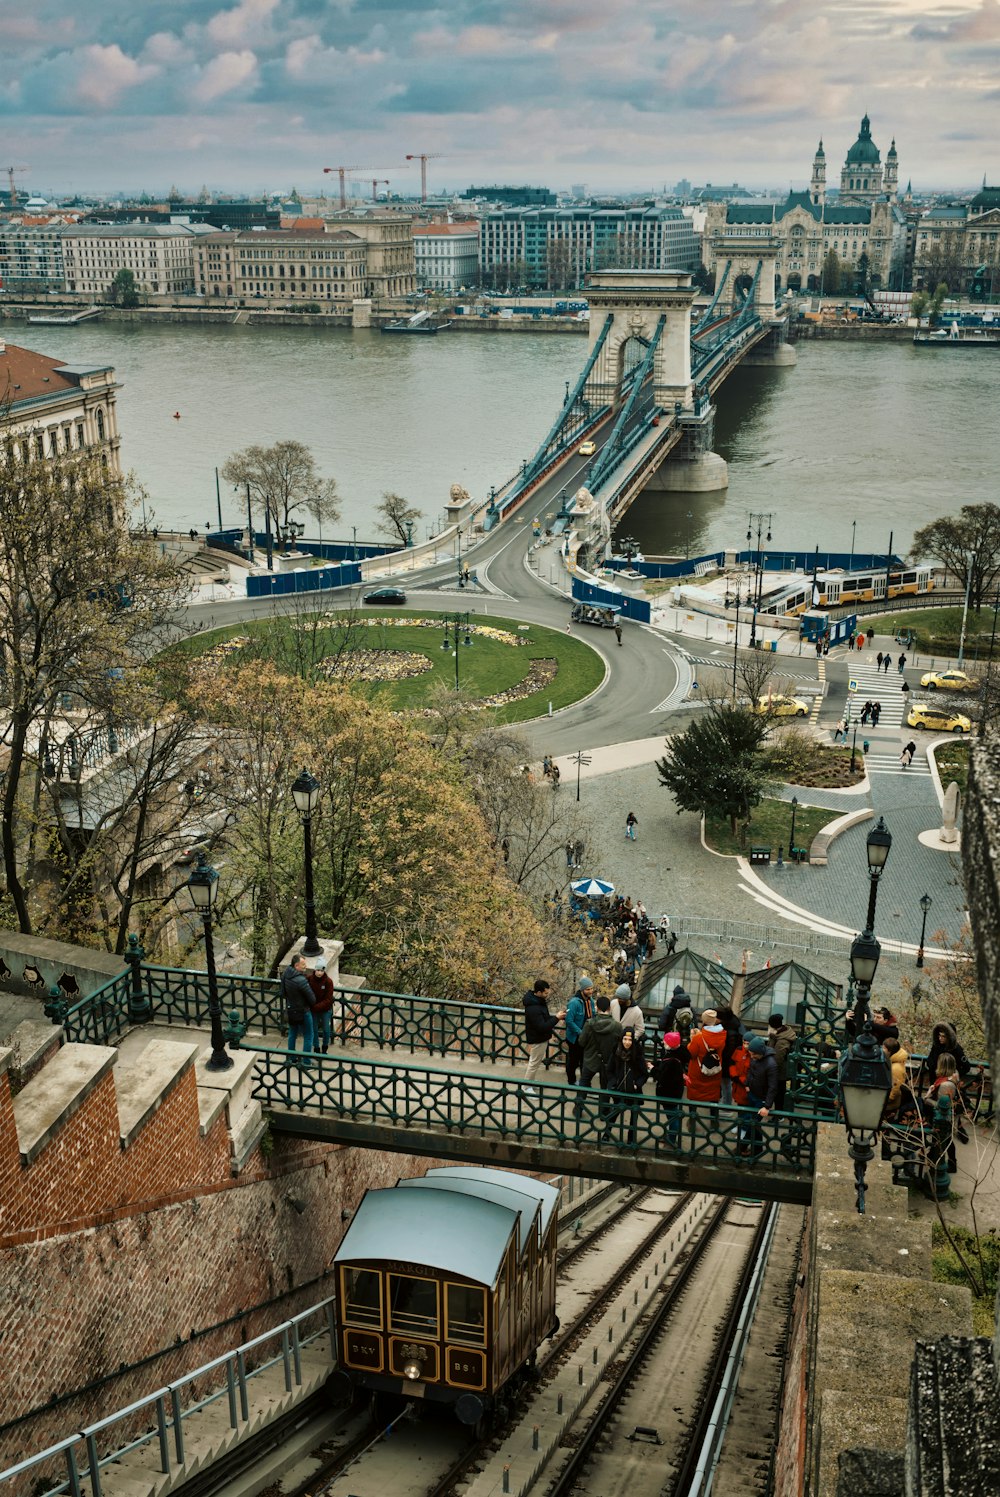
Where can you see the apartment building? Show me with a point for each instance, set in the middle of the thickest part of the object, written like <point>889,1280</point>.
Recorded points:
<point>446,256</point>
<point>31,258</point>
<point>158,255</point>
<point>556,247</point>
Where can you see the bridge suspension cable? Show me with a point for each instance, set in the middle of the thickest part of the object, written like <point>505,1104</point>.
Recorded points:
<point>573,407</point>
<point>622,439</point>
<point>709,312</point>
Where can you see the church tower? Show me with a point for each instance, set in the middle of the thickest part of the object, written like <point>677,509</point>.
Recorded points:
<point>892,173</point>
<point>817,187</point>
<point>861,177</point>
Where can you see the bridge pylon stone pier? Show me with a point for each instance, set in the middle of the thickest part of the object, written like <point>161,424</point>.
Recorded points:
<point>773,352</point>
<point>637,299</point>
<point>691,467</point>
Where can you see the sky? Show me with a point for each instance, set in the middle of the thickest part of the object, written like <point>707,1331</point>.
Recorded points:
<point>115,96</point>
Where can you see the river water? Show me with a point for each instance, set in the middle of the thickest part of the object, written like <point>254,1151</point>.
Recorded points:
<point>880,434</point>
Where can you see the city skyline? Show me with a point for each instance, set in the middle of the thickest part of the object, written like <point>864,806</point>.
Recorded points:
<point>264,93</point>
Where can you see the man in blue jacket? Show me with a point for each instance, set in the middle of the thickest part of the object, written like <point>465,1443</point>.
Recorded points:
<point>762,1084</point>
<point>539,1026</point>
<point>578,1010</point>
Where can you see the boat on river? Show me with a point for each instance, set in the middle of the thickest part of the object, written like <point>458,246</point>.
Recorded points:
<point>982,335</point>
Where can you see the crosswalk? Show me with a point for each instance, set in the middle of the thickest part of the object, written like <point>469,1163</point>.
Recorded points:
<point>876,686</point>
<point>882,763</point>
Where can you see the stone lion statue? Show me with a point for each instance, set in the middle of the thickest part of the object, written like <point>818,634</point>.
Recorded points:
<point>458,494</point>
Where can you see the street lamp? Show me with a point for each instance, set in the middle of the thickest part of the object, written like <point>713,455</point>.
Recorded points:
<point>203,886</point>
<point>791,834</point>
<point>459,624</point>
<point>305,794</point>
<point>763,521</point>
<point>734,602</point>
<point>925,903</point>
<point>877,846</point>
<point>865,1074</point>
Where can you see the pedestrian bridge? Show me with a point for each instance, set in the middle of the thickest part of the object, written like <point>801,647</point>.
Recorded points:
<point>444,1079</point>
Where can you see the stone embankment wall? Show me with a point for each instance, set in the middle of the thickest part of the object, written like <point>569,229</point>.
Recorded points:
<point>851,332</point>
<point>130,1252</point>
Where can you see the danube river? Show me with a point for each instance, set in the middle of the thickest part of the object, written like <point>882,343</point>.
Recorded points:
<point>879,434</point>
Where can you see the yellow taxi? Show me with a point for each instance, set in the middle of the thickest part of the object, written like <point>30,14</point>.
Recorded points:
<point>776,705</point>
<point>954,680</point>
<point>588,449</point>
<point>938,719</point>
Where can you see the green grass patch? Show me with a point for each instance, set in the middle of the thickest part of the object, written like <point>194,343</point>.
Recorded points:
<point>939,630</point>
<point>770,826</point>
<point>953,764</point>
<point>983,1254</point>
<point>487,667</point>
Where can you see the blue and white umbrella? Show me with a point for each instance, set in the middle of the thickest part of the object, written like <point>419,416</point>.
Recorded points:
<point>591,888</point>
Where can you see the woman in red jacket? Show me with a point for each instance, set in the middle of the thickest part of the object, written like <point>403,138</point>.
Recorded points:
<point>704,1076</point>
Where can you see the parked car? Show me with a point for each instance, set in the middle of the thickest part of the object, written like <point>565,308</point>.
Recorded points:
<point>386,595</point>
<point>953,680</point>
<point>776,705</point>
<point>588,449</point>
<point>938,719</point>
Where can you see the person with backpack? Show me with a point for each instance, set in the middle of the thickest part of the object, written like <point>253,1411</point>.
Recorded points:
<point>669,1074</point>
<point>679,1001</point>
<point>578,1010</point>
<point>599,1039</point>
<point>704,1075</point>
<point>626,1071</point>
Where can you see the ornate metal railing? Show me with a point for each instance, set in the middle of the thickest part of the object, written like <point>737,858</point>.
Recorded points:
<point>74,1465</point>
<point>180,996</point>
<point>99,1019</point>
<point>400,1095</point>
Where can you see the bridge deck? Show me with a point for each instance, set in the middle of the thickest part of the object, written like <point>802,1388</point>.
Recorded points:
<point>470,1109</point>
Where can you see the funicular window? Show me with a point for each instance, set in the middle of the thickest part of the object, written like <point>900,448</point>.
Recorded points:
<point>909,577</point>
<point>361,1293</point>
<point>860,584</point>
<point>879,588</point>
<point>466,1314</point>
<point>413,1305</point>
<point>833,592</point>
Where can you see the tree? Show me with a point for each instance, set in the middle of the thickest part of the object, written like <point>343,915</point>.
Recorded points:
<point>831,273</point>
<point>919,303</point>
<point>282,480</point>
<point>123,291</point>
<point>944,262</point>
<point>79,599</point>
<point>968,544</point>
<point>397,517</point>
<point>719,764</point>
<point>863,273</point>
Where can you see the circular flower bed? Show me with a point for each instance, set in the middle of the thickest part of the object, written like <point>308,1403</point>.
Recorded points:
<point>376,665</point>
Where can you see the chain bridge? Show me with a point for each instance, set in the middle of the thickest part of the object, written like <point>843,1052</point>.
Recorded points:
<point>645,392</point>
<point>444,1079</point>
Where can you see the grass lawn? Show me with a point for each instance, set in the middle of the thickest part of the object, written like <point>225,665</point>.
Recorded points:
<point>487,667</point>
<point>938,629</point>
<point>769,827</point>
<point>953,764</point>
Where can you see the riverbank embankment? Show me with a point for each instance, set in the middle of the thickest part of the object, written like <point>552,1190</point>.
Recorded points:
<point>268,317</point>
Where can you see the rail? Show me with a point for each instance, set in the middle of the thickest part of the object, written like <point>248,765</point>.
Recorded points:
<point>80,1454</point>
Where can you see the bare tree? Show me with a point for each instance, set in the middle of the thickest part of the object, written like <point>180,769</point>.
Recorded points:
<point>397,517</point>
<point>282,480</point>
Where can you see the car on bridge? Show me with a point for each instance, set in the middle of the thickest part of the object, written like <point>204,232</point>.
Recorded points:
<point>776,705</point>
<point>953,680</point>
<point>938,719</point>
<point>382,595</point>
<point>587,449</point>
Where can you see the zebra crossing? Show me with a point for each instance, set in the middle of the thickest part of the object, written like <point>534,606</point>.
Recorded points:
<point>876,686</point>
<point>888,763</point>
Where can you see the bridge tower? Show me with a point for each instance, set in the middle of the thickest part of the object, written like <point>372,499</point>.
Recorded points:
<point>637,299</point>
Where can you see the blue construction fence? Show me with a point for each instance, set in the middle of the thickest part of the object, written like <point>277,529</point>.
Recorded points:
<point>336,551</point>
<point>303,580</point>
<point>606,597</point>
<point>771,561</point>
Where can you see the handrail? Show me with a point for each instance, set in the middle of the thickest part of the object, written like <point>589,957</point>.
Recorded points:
<point>237,1376</point>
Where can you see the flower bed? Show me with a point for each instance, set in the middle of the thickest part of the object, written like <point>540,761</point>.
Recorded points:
<point>376,665</point>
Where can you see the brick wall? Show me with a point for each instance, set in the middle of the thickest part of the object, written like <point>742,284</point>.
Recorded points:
<point>84,1306</point>
<point>83,1170</point>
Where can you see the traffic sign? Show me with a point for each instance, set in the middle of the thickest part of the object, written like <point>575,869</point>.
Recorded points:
<point>852,685</point>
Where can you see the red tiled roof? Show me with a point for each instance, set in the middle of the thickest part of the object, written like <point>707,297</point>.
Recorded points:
<point>24,374</point>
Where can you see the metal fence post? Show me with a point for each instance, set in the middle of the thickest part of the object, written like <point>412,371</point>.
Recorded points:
<point>241,1377</point>
<point>161,1431</point>
<point>286,1359</point>
<point>95,1468</point>
<point>175,1404</point>
<point>297,1352</point>
<point>231,1393</point>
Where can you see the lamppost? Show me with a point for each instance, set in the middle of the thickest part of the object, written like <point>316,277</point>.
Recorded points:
<point>925,903</point>
<point>763,522</point>
<point>865,1074</point>
<point>877,846</point>
<point>791,834</point>
<point>458,623</point>
<point>203,886</point>
<point>579,759</point>
<point>734,602</point>
<point>305,794</point>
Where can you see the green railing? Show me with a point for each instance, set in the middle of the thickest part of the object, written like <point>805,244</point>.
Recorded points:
<point>180,996</point>
<point>99,1019</point>
<point>403,1096</point>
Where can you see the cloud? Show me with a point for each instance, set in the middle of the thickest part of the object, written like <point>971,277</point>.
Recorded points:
<point>230,27</point>
<point>106,73</point>
<point>228,71</point>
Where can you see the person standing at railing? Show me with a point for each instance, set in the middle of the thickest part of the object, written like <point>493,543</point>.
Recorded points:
<point>578,1011</point>
<point>298,998</point>
<point>322,990</point>
<point>539,1026</point>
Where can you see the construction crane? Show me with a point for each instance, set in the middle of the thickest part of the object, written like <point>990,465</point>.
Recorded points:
<point>423,158</point>
<point>10,178</point>
<point>378,182</point>
<point>342,172</point>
